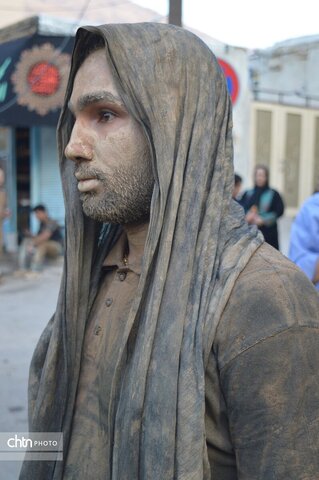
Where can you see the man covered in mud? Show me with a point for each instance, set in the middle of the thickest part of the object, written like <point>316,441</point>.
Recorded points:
<point>183,347</point>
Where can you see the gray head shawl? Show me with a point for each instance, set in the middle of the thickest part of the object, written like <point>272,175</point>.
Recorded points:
<point>197,245</point>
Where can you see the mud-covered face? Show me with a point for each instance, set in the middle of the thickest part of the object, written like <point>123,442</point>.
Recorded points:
<point>113,164</point>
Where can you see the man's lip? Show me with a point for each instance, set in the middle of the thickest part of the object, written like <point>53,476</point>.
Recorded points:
<point>88,184</point>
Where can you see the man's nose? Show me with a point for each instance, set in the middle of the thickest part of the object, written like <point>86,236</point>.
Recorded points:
<point>79,147</point>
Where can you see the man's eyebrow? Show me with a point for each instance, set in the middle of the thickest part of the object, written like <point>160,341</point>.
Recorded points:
<point>95,97</point>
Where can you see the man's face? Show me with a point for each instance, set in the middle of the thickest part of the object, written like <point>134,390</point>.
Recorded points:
<point>113,165</point>
<point>236,190</point>
<point>40,215</point>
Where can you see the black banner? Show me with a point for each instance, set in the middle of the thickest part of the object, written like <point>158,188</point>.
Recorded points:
<point>33,77</point>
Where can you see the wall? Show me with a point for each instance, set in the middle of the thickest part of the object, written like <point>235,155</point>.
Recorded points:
<point>238,59</point>
<point>286,139</point>
<point>287,73</point>
<point>285,116</point>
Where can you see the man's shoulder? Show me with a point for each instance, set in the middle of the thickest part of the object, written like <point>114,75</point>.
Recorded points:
<point>271,295</point>
<point>311,206</point>
<point>313,199</point>
<point>266,265</point>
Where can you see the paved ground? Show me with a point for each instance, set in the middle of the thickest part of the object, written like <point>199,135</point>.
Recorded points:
<point>26,307</point>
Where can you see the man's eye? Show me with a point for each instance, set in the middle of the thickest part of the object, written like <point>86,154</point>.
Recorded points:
<point>106,116</point>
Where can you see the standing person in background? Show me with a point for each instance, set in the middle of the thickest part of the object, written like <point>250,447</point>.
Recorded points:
<point>304,239</point>
<point>237,187</point>
<point>263,206</point>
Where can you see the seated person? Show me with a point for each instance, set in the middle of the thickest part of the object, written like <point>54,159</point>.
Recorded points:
<point>46,244</point>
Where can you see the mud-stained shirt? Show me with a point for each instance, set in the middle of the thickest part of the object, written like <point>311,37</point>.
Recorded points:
<point>88,453</point>
<point>262,396</point>
<point>262,381</point>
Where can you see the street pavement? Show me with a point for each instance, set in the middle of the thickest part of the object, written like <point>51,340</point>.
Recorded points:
<point>26,306</point>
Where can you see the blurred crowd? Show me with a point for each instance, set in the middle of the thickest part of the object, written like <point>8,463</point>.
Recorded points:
<point>263,205</point>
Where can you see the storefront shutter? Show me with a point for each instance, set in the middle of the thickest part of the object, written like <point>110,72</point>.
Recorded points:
<point>46,182</point>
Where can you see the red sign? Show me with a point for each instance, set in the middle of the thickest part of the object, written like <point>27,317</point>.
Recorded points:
<point>44,79</point>
<point>40,78</point>
<point>231,79</point>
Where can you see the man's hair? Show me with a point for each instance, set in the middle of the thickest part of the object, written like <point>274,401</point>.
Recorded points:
<point>95,42</point>
<point>39,208</point>
<point>237,179</point>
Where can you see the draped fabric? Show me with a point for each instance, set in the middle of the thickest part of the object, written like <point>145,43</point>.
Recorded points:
<point>197,244</point>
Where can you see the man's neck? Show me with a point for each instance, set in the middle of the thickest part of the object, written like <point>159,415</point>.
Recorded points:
<point>136,237</point>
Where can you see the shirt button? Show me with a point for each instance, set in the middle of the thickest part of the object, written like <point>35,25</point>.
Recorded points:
<point>97,330</point>
<point>108,302</point>
<point>122,276</point>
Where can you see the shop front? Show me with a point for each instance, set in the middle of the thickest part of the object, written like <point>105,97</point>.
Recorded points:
<point>34,67</point>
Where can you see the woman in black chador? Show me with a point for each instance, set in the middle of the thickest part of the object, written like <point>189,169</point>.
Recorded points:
<point>263,205</point>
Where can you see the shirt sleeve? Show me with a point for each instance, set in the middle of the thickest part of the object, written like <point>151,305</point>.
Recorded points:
<point>304,240</point>
<point>272,396</point>
<point>262,382</point>
<point>51,226</point>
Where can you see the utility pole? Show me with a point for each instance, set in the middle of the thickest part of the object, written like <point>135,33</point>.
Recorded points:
<point>175,12</point>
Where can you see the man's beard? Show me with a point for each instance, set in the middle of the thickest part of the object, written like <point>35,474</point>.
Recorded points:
<point>125,197</point>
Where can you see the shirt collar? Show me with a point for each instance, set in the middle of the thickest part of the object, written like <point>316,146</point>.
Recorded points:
<point>115,257</point>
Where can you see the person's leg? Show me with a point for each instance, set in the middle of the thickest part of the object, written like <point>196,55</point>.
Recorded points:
<point>25,254</point>
<point>49,249</point>
<point>54,249</point>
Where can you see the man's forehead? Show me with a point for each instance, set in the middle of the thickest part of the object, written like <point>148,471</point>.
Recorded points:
<point>94,81</point>
<point>94,61</point>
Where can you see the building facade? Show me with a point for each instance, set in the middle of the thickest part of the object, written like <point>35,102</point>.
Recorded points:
<point>285,116</point>
<point>35,61</point>
<point>275,99</point>
<point>34,67</point>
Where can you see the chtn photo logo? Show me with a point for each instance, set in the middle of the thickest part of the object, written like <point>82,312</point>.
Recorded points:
<point>16,442</point>
<point>18,446</point>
